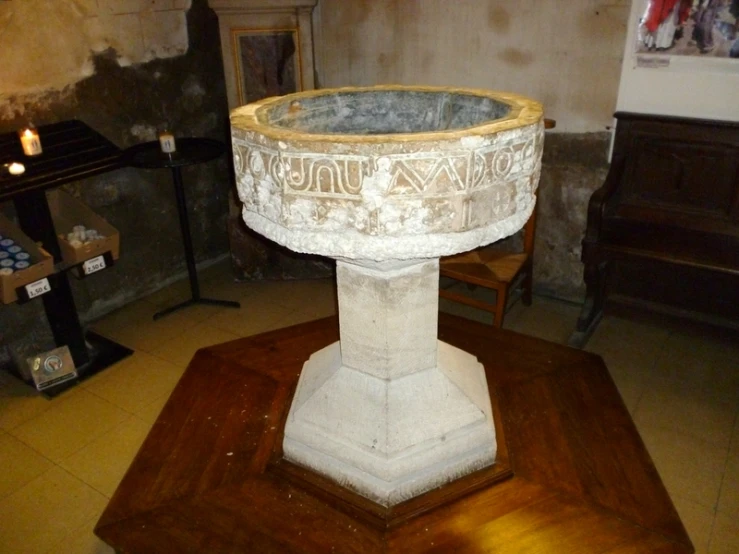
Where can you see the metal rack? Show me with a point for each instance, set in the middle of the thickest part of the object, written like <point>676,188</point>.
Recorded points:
<point>191,150</point>
<point>71,151</point>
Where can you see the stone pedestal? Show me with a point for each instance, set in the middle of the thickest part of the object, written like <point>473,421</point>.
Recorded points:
<point>390,411</point>
<point>386,180</point>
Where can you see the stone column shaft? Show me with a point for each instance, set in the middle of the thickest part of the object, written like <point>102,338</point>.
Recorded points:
<point>388,314</point>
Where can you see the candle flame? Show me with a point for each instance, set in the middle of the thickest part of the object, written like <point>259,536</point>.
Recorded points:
<point>16,168</point>
<point>28,133</point>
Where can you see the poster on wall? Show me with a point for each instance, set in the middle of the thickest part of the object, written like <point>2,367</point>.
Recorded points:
<point>671,67</point>
<point>697,28</point>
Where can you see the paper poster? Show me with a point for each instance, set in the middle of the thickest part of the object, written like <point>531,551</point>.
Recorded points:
<point>702,28</point>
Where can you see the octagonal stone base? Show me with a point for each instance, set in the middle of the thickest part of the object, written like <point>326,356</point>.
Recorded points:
<point>391,440</point>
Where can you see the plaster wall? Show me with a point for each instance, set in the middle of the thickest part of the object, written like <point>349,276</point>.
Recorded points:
<point>151,64</point>
<point>49,44</point>
<point>566,55</point>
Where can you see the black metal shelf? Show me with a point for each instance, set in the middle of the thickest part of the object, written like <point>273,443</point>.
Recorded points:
<point>71,151</point>
<point>190,150</point>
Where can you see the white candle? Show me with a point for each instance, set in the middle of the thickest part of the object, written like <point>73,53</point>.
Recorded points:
<point>16,169</point>
<point>166,141</point>
<point>30,141</point>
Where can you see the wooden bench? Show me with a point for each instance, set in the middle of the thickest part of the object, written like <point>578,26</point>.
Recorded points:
<point>663,230</point>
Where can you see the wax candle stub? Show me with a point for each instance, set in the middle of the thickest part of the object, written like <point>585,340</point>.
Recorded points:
<point>81,235</point>
<point>30,141</point>
<point>16,169</point>
<point>166,141</point>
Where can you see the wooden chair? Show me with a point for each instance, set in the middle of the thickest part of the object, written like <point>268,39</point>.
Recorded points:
<point>493,268</point>
<point>496,269</point>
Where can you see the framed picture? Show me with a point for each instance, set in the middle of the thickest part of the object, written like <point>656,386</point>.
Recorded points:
<point>267,63</point>
<point>703,28</point>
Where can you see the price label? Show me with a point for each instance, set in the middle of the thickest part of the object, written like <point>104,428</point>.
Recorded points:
<point>37,288</point>
<point>93,264</point>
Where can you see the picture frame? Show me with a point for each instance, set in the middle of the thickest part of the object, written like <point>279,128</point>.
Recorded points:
<point>267,63</point>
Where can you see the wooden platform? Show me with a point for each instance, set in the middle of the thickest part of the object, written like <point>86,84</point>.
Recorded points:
<point>574,476</point>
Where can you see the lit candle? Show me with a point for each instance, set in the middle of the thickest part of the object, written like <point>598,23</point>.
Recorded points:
<point>16,169</point>
<point>30,141</point>
<point>166,141</point>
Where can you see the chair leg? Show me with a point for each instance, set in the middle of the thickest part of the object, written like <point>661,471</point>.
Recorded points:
<point>500,304</point>
<point>528,286</point>
<point>595,294</point>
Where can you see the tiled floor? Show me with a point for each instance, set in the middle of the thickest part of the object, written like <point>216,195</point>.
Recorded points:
<point>62,459</point>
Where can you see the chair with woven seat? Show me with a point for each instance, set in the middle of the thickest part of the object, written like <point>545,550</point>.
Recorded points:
<point>493,268</point>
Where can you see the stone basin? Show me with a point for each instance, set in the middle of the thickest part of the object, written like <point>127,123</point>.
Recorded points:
<point>339,172</point>
<point>386,180</point>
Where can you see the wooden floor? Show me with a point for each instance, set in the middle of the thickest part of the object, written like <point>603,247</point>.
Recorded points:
<point>209,478</point>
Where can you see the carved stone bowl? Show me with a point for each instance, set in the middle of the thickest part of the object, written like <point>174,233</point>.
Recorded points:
<point>388,172</point>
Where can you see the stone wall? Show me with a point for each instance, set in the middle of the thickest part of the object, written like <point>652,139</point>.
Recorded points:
<point>573,167</point>
<point>130,67</point>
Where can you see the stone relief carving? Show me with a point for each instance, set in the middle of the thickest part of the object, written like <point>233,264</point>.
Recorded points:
<point>384,194</point>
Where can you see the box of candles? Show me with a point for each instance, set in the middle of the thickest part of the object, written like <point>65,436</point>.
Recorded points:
<point>83,234</point>
<point>23,264</point>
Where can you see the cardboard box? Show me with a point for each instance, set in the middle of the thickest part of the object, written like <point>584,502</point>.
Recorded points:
<point>67,211</point>
<point>42,264</point>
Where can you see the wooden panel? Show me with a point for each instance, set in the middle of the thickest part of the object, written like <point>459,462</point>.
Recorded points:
<point>685,288</point>
<point>678,175</point>
<point>583,481</point>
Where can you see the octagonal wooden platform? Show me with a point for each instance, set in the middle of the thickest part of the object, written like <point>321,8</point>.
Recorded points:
<point>573,475</point>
